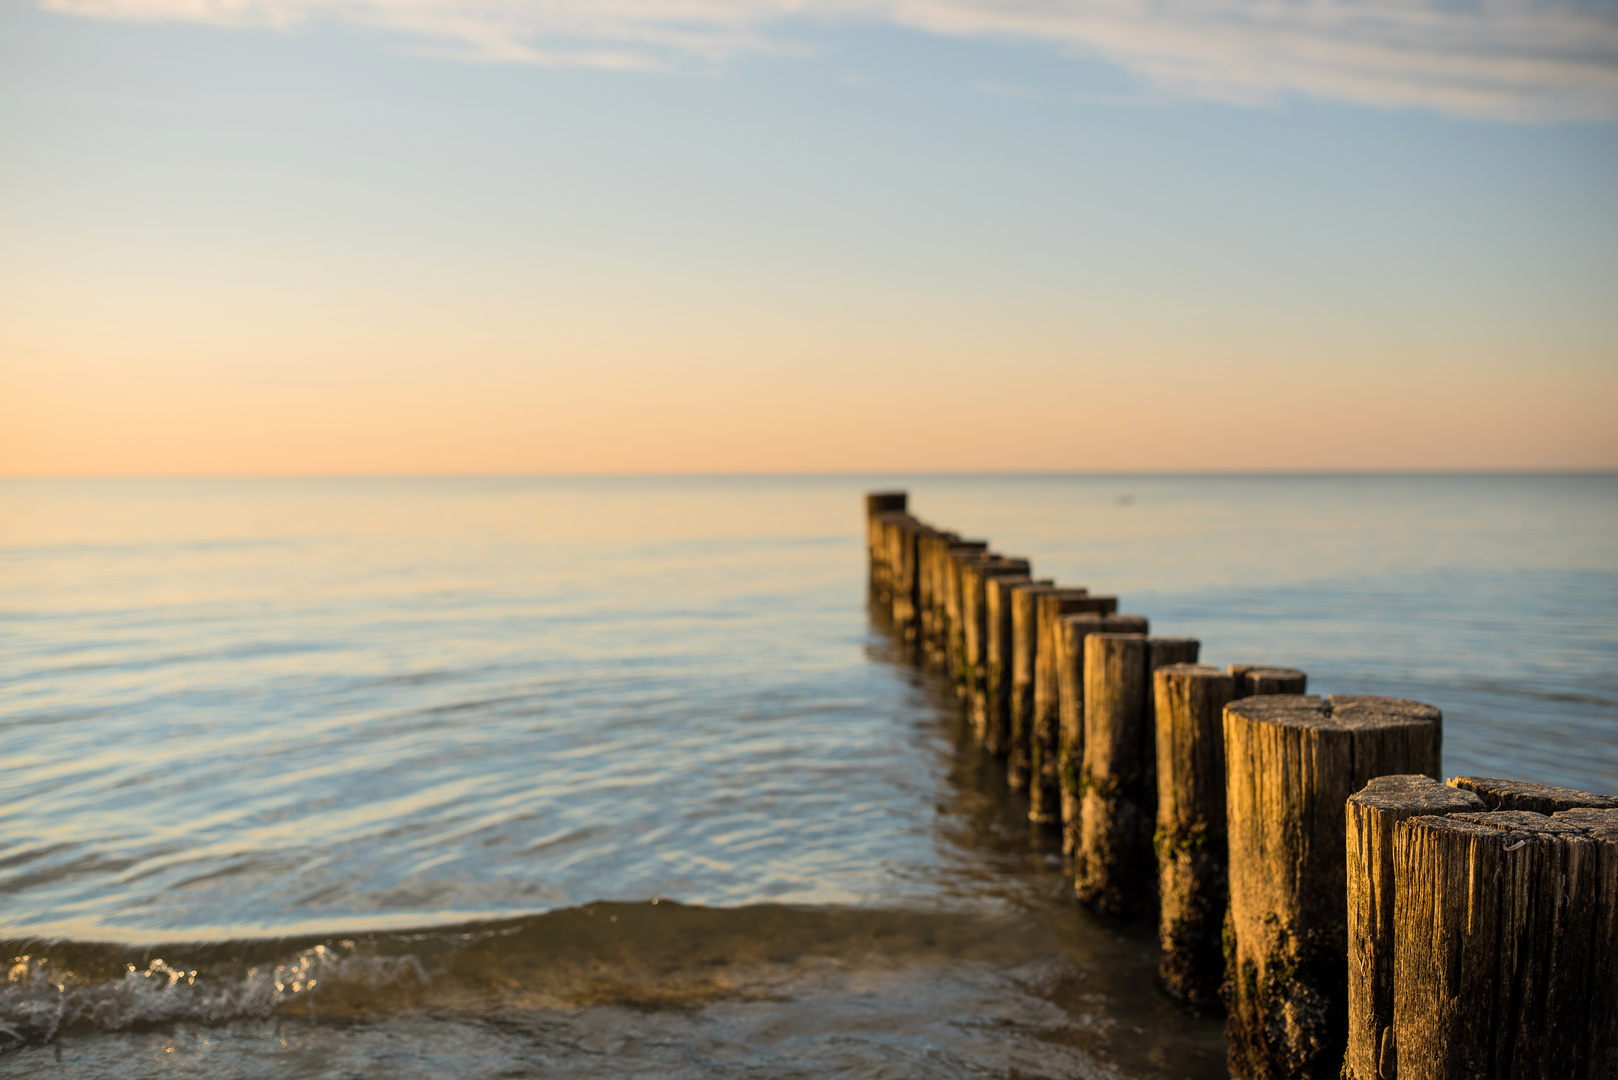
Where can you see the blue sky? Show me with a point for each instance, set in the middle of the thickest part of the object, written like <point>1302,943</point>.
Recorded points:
<point>233,209</point>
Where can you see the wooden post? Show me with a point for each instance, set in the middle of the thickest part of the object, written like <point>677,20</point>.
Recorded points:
<point>895,527</point>
<point>1073,630</point>
<point>999,659</point>
<point>932,557</point>
<point>1371,814</point>
<point>1024,654</point>
<point>1250,679</point>
<point>1044,734</point>
<point>952,641</point>
<point>878,503</point>
<point>926,543</point>
<point>1291,762</point>
<point>1114,867</point>
<point>907,532</point>
<point>1190,837</point>
<point>974,608</point>
<point>1505,948</point>
<point>1539,798</point>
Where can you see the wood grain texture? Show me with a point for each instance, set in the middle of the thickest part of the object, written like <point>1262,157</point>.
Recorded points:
<point>1190,837</point>
<point>1073,630</point>
<point>1292,761</point>
<point>1539,798</point>
<point>1505,944</point>
<point>1370,815</point>
<point>1113,866</point>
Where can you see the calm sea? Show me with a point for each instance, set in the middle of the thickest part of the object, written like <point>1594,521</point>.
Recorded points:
<point>613,778</point>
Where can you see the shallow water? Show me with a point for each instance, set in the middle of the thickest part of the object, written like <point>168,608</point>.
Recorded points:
<point>436,745</point>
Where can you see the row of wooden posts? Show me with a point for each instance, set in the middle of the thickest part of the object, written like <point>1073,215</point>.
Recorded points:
<point>1306,865</point>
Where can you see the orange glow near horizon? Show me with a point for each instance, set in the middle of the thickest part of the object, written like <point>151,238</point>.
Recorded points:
<point>840,392</point>
<point>911,244</point>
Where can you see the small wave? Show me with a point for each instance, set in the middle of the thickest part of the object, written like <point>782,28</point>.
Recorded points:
<point>44,994</point>
<point>642,955</point>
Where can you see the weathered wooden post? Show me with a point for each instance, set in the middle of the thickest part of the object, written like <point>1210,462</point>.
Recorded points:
<point>1250,679</point>
<point>896,533</point>
<point>952,641</point>
<point>908,531</point>
<point>1506,947</point>
<point>999,659</point>
<point>1024,656</point>
<point>974,608</point>
<point>1072,632</point>
<point>1371,814</point>
<point>1190,838</point>
<point>1538,798</point>
<point>878,503</point>
<point>1291,763</point>
<point>939,550</point>
<point>926,545</point>
<point>1044,733</point>
<point>1114,867</point>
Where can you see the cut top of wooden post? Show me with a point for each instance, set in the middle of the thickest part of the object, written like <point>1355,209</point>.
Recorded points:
<point>877,502</point>
<point>1539,798</point>
<point>1250,679</point>
<point>1599,823</point>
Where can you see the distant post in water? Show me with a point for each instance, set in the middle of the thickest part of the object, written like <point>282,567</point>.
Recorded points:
<point>1044,736</point>
<point>1072,630</point>
<point>1115,868</point>
<point>999,658</point>
<point>1291,763</point>
<point>878,503</point>
<point>1192,863</point>
<point>1372,812</point>
<point>1250,679</point>
<point>953,638</point>
<point>974,615</point>
<point>1024,655</point>
<point>1506,946</point>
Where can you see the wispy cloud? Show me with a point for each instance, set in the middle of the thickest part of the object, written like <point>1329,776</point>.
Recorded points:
<point>1498,59</point>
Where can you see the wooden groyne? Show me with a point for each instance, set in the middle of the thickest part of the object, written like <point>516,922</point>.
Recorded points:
<point>1355,915</point>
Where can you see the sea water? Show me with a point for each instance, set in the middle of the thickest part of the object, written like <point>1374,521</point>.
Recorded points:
<point>618,777</point>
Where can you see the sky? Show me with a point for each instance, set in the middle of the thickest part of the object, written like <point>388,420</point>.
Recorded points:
<point>424,237</point>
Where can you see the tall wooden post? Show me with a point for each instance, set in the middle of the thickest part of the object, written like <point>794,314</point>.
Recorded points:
<point>1024,657</point>
<point>1291,762</point>
<point>906,576</point>
<point>1505,947</point>
<point>1371,814</point>
<point>1044,735</point>
<point>1190,838</point>
<point>953,639</point>
<point>1072,632</point>
<point>878,503</point>
<point>999,659</point>
<point>975,574</point>
<point>1114,867</point>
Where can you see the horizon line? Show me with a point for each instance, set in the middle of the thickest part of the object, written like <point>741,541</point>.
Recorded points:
<point>952,474</point>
